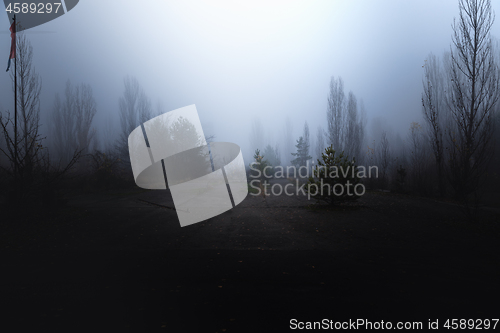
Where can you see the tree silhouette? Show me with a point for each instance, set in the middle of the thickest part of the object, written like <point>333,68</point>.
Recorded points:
<point>302,154</point>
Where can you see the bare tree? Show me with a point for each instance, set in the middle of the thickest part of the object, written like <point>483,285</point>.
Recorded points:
<point>312,145</point>
<point>60,134</point>
<point>353,129</point>
<point>86,109</point>
<point>257,135</point>
<point>377,126</point>
<point>345,124</point>
<point>320,142</point>
<point>134,109</point>
<point>399,168</point>
<point>363,121</point>
<point>475,90</point>
<point>72,121</point>
<point>288,146</point>
<point>417,154</point>
<point>277,153</point>
<point>28,140</point>
<point>108,134</point>
<point>336,113</point>
<point>496,139</point>
<point>307,139</point>
<point>144,107</point>
<point>29,168</point>
<point>384,158</point>
<point>432,108</point>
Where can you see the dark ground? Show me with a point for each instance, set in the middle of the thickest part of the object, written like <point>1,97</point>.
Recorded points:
<point>120,262</point>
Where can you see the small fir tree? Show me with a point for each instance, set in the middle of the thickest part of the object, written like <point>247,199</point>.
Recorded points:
<point>259,164</point>
<point>337,174</point>
<point>302,154</point>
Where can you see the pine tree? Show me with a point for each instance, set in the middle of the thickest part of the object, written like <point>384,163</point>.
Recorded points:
<point>333,178</point>
<point>272,156</point>
<point>259,164</point>
<point>302,154</point>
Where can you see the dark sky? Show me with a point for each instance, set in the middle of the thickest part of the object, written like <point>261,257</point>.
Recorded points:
<point>246,59</point>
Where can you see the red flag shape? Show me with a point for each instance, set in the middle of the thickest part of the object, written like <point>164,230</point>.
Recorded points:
<point>13,43</point>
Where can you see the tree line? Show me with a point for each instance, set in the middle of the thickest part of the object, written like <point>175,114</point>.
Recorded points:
<point>449,154</point>
<point>36,166</point>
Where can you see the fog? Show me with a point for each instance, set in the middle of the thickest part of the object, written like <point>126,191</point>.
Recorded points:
<point>240,61</point>
<point>118,214</point>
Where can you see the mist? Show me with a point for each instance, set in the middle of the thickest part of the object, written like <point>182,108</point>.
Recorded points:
<point>241,61</point>
<point>251,166</point>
